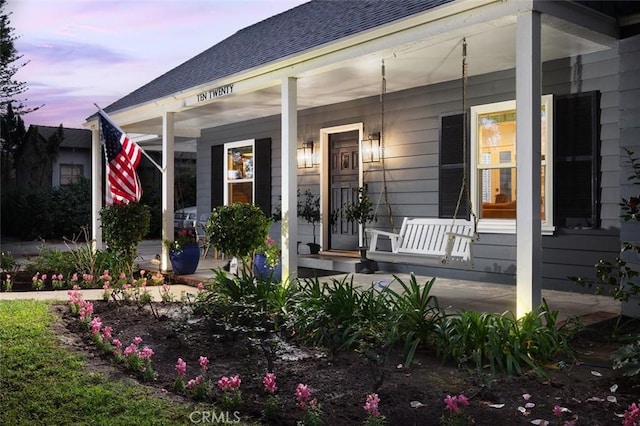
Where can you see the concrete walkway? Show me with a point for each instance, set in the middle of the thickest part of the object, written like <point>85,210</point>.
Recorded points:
<point>452,294</point>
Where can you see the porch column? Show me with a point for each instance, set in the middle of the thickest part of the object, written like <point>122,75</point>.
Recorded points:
<point>168,141</point>
<point>289,230</point>
<point>96,187</point>
<point>528,222</point>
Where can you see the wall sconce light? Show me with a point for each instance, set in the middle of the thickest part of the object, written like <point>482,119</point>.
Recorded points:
<point>306,156</point>
<point>371,149</point>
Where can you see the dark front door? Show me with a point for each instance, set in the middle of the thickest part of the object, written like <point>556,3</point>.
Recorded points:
<point>343,183</point>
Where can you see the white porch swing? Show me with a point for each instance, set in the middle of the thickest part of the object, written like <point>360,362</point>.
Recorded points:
<point>423,240</point>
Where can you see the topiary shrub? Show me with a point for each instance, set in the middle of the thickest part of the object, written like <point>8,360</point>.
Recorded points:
<point>124,226</point>
<point>237,230</point>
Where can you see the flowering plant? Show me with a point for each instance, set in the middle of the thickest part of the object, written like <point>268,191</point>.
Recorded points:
<point>183,237</point>
<point>271,250</point>
<point>270,387</point>
<point>230,387</point>
<point>371,407</point>
<point>309,406</point>
<point>455,407</point>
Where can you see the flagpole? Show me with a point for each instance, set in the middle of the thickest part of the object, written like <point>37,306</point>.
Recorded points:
<point>106,116</point>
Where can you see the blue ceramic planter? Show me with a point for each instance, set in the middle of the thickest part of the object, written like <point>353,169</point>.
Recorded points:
<point>186,261</point>
<point>262,269</point>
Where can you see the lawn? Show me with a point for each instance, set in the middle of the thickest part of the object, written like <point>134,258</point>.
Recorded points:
<point>42,383</point>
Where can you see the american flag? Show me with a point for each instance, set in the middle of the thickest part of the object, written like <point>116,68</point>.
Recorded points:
<point>123,156</point>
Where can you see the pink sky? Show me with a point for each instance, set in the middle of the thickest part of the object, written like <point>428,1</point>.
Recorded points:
<point>83,52</point>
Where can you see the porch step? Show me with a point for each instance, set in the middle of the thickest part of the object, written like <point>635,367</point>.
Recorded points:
<point>338,262</point>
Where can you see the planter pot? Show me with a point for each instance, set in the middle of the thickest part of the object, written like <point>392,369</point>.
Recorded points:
<point>263,270</point>
<point>186,261</point>
<point>314,248</point>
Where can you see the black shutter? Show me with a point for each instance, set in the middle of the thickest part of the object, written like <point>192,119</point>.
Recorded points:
<point>217,176</point>
<point>576,156</point>
<point>262,179</point>
<point>452,167</point>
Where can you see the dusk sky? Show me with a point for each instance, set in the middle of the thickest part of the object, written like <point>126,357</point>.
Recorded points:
<point>83,52</point>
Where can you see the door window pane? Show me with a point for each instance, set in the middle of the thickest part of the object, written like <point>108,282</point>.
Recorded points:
<point>239,175</point>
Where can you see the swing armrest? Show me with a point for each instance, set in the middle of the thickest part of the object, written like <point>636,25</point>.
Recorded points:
<point>373,240</point>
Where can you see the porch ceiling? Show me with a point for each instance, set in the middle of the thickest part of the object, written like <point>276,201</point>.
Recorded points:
<point>427,60</point>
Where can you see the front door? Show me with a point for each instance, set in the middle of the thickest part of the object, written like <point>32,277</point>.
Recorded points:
<point>343,184</point>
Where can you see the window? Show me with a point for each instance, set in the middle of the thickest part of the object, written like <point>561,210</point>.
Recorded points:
<point>70,173</point>
<point>570,167</point>
<point>493,165</point>
<point>239,172</point>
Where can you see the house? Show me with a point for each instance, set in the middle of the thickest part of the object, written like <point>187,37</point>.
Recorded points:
<point>51,159</point>
<point>438,84</point>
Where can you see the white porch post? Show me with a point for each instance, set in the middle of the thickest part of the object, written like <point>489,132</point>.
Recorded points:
<point>168,141</point>
<point>289,230</point>
<point>96,187</point>
<point>528,222</point>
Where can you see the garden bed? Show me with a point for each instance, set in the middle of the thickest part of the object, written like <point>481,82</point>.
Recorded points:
<point>341,382</point>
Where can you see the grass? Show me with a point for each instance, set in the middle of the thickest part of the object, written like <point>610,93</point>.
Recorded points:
<point>42,383</point>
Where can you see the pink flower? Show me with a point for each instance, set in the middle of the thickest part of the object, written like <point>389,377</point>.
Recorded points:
<point>137,340</point>
<point>229,383</point>
<point>526,396</point>
<point>146,353</point>
<point>269,383</point>
<point>117,343</point>
<point>123,276</point>
<point>9,277</point>
<point>452,403</point>
<point>371,405</point>
<point>44,277</point>
<point>106,332</point>
<point>74,277</point>
<point>194,382</point>
<point>96,325</point>
<point>631,415</point>
<point>303,395</point>
<point>181,367</point>
<point>35,277</point>
<point>106,286</point>
<point>200,286</point>
<point>130,350</point>
<point>463,400</point>
<point>204,363</point>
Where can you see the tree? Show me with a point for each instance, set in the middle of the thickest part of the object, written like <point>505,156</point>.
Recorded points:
<point>10,63</point>
<point>12,133</point>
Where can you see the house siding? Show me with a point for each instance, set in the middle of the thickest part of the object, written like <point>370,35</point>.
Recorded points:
<point>411,142</point>
<point>630,138</point>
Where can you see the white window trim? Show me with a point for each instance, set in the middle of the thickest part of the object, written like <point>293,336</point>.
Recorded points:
<point>231,145</point>
<point>508,226</point>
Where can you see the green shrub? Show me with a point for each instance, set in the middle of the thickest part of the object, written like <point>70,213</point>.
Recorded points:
<point>124,226</point>
<point>237,230</point>
<point>70,209</point>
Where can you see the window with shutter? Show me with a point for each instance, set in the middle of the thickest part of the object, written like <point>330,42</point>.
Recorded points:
<point>570,168</point>
<point>241,172</point>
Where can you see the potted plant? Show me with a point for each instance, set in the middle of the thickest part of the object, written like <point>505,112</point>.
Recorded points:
<point>124,226</point>
<point>361,211</point>
<point>237,230</point>
<point>184,252</point>
<point>309,210</point>
<point>267,260</point>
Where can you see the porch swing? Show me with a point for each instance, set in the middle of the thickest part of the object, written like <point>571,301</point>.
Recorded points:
<point>423,240</point>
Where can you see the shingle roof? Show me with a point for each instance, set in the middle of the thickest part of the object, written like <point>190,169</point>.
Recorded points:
<point>73,138</point>
<point>304,27</point>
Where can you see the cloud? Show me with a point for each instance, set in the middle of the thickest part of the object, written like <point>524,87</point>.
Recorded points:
<point>69,52</point>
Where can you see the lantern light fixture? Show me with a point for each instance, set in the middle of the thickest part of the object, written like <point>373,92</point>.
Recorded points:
<point>371,148</point>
